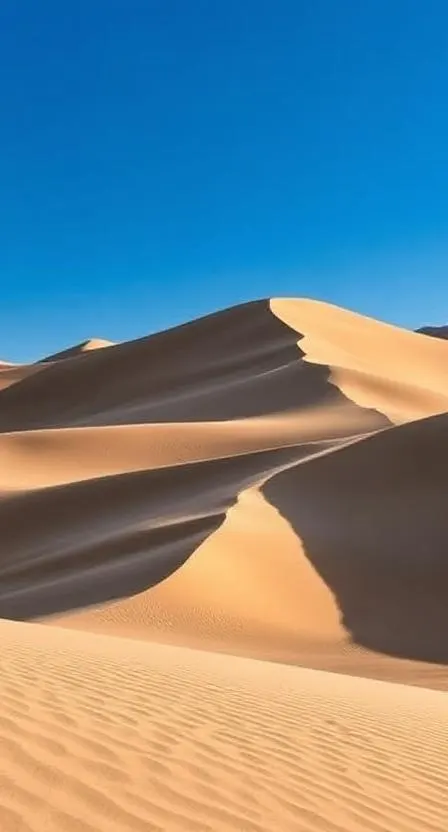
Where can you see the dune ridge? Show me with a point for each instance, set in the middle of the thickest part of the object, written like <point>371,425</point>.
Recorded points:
<point>13,373</point>
<point>119,494</point>
<point>78,349</point>
<point>435,331</point>
<point>269,483</point>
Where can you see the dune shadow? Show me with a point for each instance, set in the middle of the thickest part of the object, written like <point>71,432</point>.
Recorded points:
<point>89,543</point>
<point>235,364</point>
<point>373,520</point>
<point>99,574</point>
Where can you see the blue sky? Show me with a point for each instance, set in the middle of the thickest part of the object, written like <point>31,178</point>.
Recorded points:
<point>161,159</point>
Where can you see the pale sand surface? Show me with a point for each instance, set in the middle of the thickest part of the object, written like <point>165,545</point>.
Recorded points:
<point>108,734</point>
<point>268,486</point>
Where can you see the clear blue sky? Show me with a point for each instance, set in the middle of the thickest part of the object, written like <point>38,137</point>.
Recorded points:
<point>160,159</point>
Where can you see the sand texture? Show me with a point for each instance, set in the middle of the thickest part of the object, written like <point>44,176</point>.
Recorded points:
<point>101,733</point>
<point>207,537</point>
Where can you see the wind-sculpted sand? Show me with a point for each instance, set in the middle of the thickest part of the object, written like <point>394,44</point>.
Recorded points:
<point>269,483</point>
<point>100,733</point>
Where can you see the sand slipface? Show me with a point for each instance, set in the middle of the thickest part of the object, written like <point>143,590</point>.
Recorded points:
<point>268,483</point>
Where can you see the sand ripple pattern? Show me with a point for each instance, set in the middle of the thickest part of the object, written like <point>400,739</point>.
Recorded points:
<point>268,485</point>
<point>264,476</point>
<point>106,734</point>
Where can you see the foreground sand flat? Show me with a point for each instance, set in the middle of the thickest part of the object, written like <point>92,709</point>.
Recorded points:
<point>101,733</point>
<point>216,532</point>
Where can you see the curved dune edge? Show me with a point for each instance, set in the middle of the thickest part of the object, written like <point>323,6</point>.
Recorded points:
<point>108,734</point>
<point>434,331</point>
<point>265,483</point>
<point>13,373</point>
<point>49,457</point>
<point>248,588</point>
<point>240,363</point>
<point>79,349</point>
<point>374,364</point>
<point>267,583</point>
<point>235,531</point>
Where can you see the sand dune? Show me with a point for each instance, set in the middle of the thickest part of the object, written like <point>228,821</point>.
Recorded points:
<point>112,509</point>
<point>106,734</point>
<point>376,365</point>
<point>327,557</point>
<point>12,373</point>
<point>44,457</point>
<point>268,482</point>
<point>435,331</point>
<point>78,349</point>
<point>240,363</point>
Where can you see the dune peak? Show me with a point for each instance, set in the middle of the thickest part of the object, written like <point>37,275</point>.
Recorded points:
<point>88,345</point>
<point>264,483</point>
<point>435,331</point>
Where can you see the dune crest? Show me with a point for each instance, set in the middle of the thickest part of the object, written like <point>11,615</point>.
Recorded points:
<point>235,530</point>
<point>374,364</point>
<point>187,522</point>
<point>78,349</point>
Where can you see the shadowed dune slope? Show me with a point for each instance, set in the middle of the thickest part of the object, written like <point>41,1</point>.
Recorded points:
<point>338,547</point>
<point>13,373</point>
<point>270,483</point>
<point>240,482</point>
<point>46,457</point>
<point>89,542</point>
<point>78,349</point>
<point>239,363</point>
<point>400,373</point>
<point>434,331</point>
<point>372,519</point>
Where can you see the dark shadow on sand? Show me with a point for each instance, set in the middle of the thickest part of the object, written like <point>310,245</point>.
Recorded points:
<point>373,518</point>
<point>89,543</point>
<point>238,363</point>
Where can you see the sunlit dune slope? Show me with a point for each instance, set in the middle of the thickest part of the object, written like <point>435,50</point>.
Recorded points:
<point>400,373</point>
<point>260,481</point>
<point>107,734</point>
<point>79,349</point>
<point>240,363</point>
<point>340,546</point>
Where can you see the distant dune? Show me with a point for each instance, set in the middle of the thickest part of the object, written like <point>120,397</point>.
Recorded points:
<point>268,482</point>
<point>78,349</point>
<point>12,373</point>
<point>435,331</point>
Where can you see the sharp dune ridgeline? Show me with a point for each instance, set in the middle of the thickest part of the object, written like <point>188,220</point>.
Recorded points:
<point>207,536</point>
